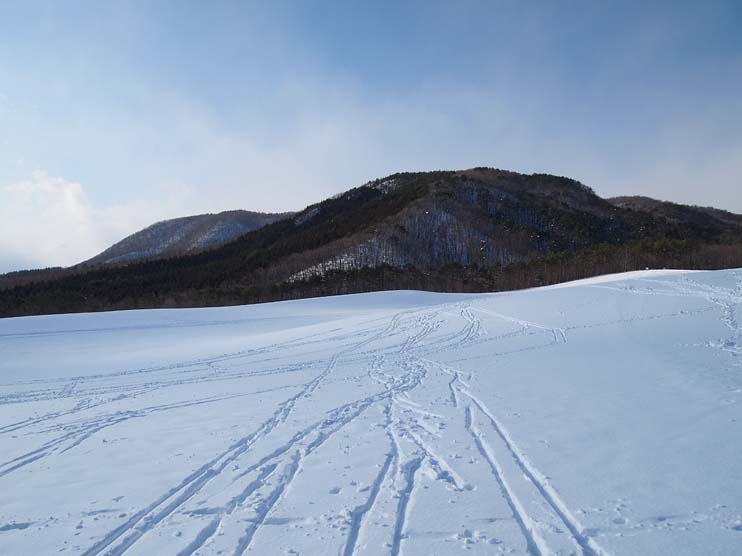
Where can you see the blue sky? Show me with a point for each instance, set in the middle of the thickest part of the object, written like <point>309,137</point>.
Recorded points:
<point>116,114</point>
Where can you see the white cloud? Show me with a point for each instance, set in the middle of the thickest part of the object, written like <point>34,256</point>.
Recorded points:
<point>49,221</point>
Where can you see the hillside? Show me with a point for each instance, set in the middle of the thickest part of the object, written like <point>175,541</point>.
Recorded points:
<point>473,230</point>
<point>598,418</point>
<point>700,217</point>
<point>182,236</point>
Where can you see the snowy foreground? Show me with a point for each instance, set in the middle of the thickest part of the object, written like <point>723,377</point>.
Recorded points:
<point>601,418</point>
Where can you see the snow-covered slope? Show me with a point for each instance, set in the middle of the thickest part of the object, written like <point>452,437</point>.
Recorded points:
<point>601,418</point>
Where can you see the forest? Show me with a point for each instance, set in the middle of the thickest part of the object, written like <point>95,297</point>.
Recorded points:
<point>477,230</point>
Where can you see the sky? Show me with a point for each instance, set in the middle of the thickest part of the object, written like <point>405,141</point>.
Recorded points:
<point>114,115</point>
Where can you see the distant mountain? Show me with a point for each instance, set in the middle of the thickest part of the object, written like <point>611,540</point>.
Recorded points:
<point>699,217</point>
<point>472,230</point>
<point>182,236</point>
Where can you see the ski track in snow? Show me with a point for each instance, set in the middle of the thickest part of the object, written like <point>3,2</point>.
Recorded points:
<point>408,384</point>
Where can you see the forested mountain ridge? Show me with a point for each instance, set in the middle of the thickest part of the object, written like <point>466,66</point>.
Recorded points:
<point>699,217</point>
<point>182,236</point>
<point>473,230</point>
<point>165,239</point>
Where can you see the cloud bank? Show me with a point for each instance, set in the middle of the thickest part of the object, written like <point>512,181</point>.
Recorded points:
<point>49,221</point>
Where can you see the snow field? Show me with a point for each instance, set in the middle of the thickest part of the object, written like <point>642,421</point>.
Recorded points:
<point>598,418</point>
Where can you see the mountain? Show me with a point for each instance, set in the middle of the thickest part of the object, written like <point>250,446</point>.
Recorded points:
<point>181,236</point>
<point>699,217</point>
<point>481,229</point>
